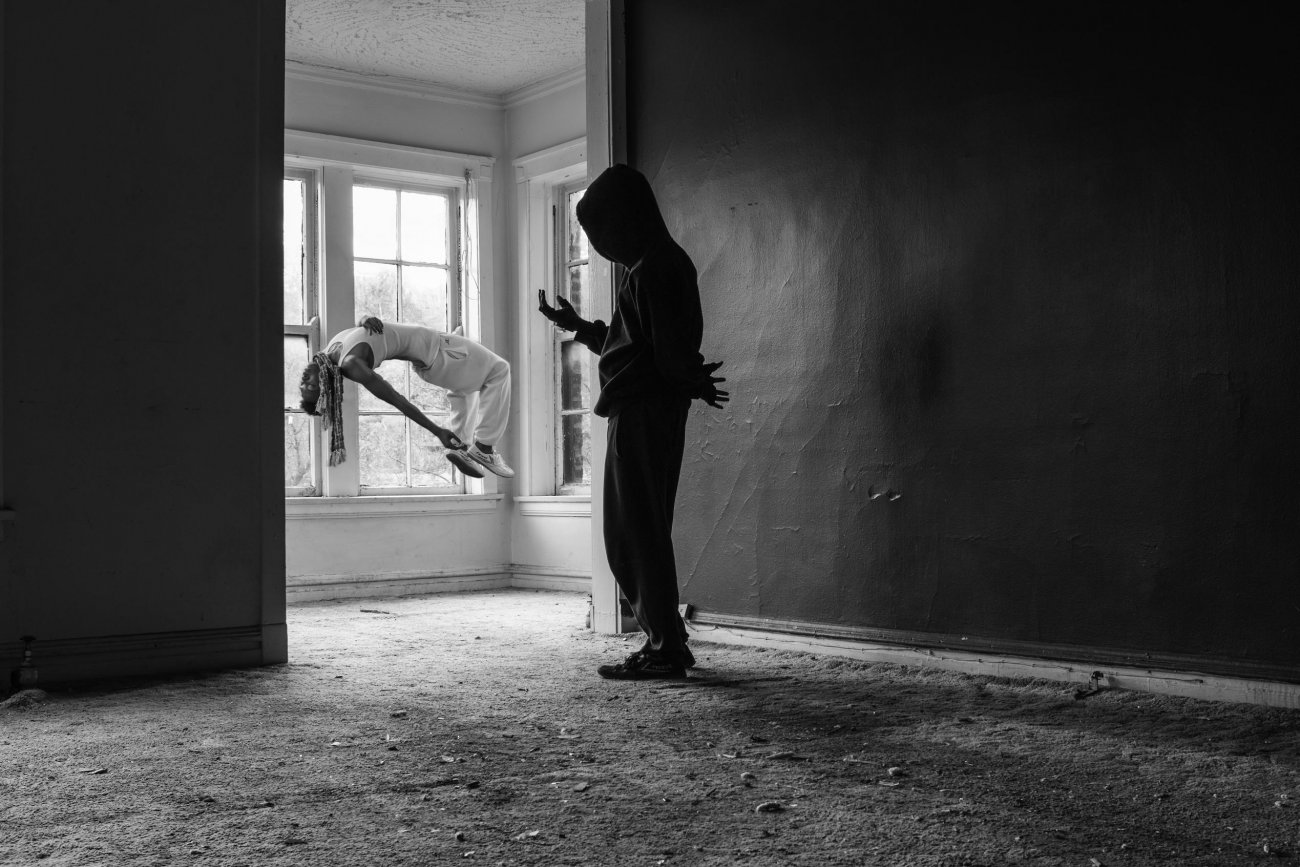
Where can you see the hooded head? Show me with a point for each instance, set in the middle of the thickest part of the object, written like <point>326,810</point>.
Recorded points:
<point>620,215</point>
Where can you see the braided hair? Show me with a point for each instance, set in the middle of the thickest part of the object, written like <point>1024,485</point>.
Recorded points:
<point>330,406</point>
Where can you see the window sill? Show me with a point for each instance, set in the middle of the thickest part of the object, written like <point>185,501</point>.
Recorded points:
<point>556,507</point>
<point>389,506</point>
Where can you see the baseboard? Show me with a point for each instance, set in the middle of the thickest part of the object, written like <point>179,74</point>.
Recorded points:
<point>323,587</point>
<point>316,588</point>
<point>61,661</point>
<point>547,578</point>
<point>1187,683</point>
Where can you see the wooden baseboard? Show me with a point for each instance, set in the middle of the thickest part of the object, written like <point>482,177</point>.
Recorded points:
<point>546,578</point>
<point>1189,683</point>
<point>322,587</point>
<point>315,588</point>
<point>62,661</point>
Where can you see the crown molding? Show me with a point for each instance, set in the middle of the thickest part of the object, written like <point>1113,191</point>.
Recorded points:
<point>544,87</point>
<point>389,84</point>
<point>305,147</point>
<point>553,161</point>
<point>435,92</point>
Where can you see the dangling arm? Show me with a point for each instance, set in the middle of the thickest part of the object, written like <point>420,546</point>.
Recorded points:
<point>357,370</point>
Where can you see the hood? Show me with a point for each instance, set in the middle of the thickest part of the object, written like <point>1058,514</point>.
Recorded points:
<point>620,215</point>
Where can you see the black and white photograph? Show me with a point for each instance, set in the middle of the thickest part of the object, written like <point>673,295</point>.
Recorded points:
<point>677,433</point>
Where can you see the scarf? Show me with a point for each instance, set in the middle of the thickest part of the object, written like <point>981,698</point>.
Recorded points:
<point>330,406</point>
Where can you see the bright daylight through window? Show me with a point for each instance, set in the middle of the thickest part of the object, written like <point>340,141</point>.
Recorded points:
<point>404,269</point>
<point>403,272</point>
<point>301,460</point>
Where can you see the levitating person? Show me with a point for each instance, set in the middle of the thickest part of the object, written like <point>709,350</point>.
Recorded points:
<point>477,383</point>
<point>650,370</point>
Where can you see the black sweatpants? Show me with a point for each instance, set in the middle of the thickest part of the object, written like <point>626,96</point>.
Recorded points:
<point>642,464</point>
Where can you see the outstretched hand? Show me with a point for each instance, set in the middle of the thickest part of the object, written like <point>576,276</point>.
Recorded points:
<point>709,391</point>
<point>449,440</point>
<point>565,317</point>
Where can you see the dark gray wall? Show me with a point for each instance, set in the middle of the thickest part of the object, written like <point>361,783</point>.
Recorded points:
<point>1037,276</point>
<point>142,442</point>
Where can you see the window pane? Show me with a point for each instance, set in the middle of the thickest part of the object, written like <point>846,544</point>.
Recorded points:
<point>424,296</point>
<point>575,381</point>
<point>297,450</point>
<point>429,467</point>
<point>295,359</point>
<point>577,449</point>
<point>395,373</point>
<point>294,307</point>
<point>579,293</point>
<point>424,227</point>
<point>374,223</point>
<point>383,451</point>
<point>577,239</point>
<point>431,400</point>
<point>375,288</point>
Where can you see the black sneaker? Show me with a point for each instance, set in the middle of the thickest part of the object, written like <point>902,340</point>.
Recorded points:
<point>688,658</point>
<point>643,666</point>
<point>458,460</point>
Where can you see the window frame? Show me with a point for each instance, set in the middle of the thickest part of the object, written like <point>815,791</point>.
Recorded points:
<point>455,216</point>
<point>310,329</point>
<point>337,162</point>
<point>559,278</point>
<point>535,177</point>
<point>455,315</point>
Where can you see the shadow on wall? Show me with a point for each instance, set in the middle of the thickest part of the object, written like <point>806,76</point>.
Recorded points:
<point>912,365</point>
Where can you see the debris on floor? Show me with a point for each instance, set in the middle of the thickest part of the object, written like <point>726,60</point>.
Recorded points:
<point>25,699</point>
<point>896,765</point>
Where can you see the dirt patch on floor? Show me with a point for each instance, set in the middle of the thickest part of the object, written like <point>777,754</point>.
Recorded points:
<point>471,728</point>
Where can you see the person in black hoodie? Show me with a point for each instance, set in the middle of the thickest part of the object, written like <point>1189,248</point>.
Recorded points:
<point>650,371</point>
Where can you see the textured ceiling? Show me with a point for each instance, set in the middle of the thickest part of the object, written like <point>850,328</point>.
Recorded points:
<point>485,47</point>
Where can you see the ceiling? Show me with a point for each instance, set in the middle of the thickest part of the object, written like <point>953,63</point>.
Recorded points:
<point>483,47</point>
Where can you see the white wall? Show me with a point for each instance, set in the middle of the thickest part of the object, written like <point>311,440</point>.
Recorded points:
<point>552,116</point>
<point>548,538</point>
<point>345,107</point>
<point>344,548</point>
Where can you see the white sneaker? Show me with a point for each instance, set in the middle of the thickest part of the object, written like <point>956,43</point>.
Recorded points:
<point>491,461</point>
<point>458,460</point>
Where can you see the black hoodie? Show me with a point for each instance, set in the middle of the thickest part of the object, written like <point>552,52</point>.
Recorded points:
<point>651,348</point>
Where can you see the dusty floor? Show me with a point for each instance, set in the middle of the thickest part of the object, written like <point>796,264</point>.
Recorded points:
<point>471,729</point>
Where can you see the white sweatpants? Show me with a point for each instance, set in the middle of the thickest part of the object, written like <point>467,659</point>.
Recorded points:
<point>477,381</point>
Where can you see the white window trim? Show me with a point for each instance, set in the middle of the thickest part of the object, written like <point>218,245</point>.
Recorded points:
<point>337,161</point>
<point>536,177</point>
<point>311,299</point>
<point>559,279</point>
<point>405,505</point>
<point>577,506</point>
<point>456,314</point>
